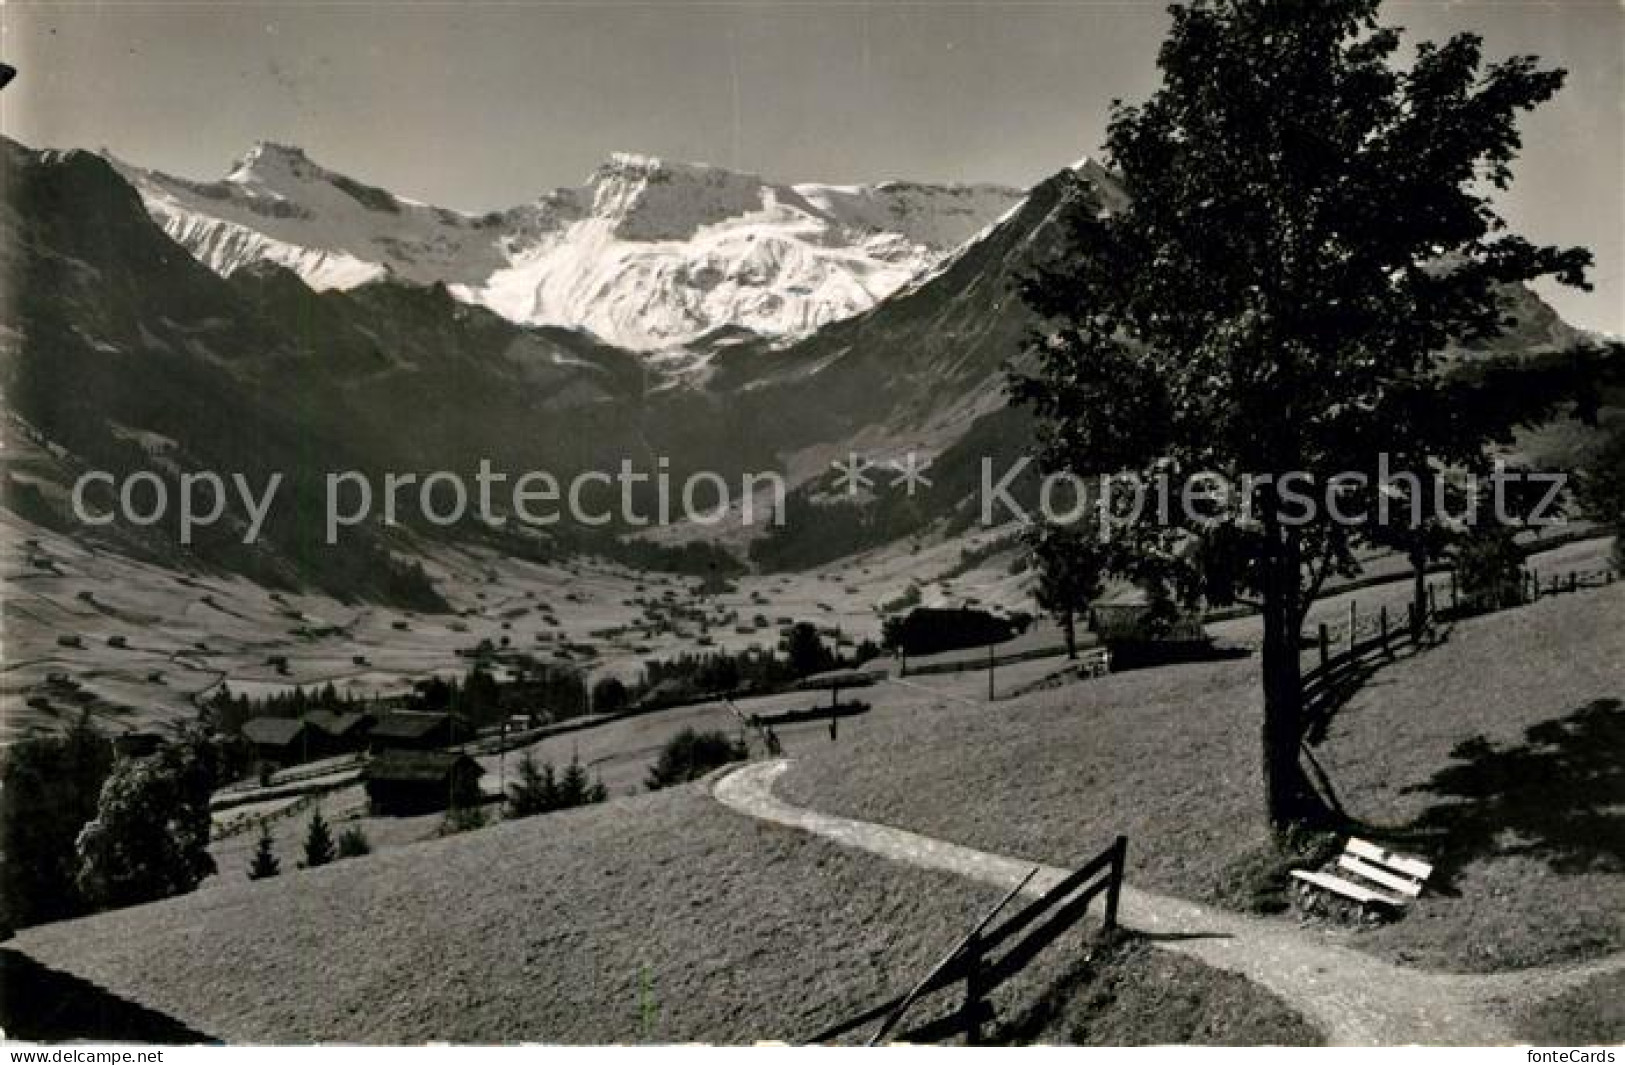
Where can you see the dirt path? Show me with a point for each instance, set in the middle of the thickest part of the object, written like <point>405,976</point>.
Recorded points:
<point>1355,998</point>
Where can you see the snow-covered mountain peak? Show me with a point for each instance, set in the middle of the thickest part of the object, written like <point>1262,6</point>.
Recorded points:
<point>268,162</point>
<point>651,199</point>
<point>647,253</point>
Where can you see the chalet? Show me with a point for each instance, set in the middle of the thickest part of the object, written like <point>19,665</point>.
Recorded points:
<point>283,740</point>
<point>413,730</point>
<point>401,782</point>
<point>342,732</point>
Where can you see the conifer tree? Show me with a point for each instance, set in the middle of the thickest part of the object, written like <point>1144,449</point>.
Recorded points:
<point>319,846</point>
<point>265,863</point>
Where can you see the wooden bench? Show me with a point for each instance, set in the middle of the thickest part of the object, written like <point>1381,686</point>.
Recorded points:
<point>1381,877</point>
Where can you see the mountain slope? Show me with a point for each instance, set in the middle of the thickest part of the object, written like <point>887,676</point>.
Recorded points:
<point>122,353</point>
<point>647,254</point>
<point>120,339</point>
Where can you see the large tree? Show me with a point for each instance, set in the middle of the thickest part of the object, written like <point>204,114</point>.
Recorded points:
<point>1311,221</point>
<point>150,837</point>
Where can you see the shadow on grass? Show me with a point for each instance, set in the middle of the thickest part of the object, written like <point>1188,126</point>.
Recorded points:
<point>40,1004</point>
<point>1559,796</point>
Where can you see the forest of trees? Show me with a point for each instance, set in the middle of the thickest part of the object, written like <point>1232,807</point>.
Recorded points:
<point>479,699</point>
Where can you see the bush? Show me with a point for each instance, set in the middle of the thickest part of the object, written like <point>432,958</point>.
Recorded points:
<point>353,843</point>
<point>690,755</point>
<point>1260,879</point>
<point>462,819</point>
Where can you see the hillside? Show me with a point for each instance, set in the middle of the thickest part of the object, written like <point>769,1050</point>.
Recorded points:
<point>663,918</point>
<point>1508,781</point>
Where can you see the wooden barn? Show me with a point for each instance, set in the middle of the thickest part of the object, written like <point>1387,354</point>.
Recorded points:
<point>403,782</point>
<point>342,732</point>
<point>414,730</point>
<point>283,740</point>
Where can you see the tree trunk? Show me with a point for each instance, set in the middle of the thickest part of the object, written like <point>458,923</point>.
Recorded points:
<point>1288,797</point>
<point>1419,584</point>
<point>1069,626</point>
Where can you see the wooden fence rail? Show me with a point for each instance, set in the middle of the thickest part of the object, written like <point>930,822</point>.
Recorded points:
<point>972,962</point>
<point>1366,635</point>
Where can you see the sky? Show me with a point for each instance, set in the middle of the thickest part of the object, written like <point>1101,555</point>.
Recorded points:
<point>484,105</point>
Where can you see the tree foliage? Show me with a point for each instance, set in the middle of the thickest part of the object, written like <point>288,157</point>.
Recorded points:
<point>1603,488</point>
<point>1489,569</point>
<point>49,786</point>
<point>150,837</point>
<point>1308,223</point>
<point>804,650</point>
<point>1071,563</point>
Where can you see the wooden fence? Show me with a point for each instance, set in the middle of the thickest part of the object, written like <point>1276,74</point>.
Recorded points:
<point>1370,636</point>
<point>980,659</point>
<point>988,956</point>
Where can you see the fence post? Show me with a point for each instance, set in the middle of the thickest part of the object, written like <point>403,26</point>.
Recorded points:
<point>1354,624</point>
<point>1574,581</point>
<point>971,1010</point>
<point>1114,888</point>
<point>1325,645</point>
<point>1413,620</point>
<point>1382,627</point>
<point>1433,601</point>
